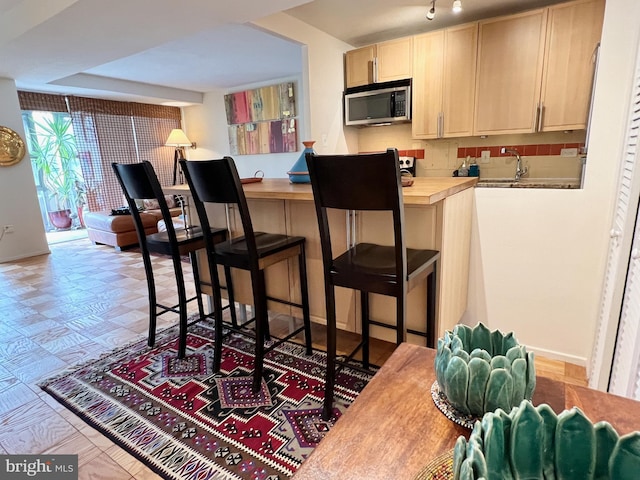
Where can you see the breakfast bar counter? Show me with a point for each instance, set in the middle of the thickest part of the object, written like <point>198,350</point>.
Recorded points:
<point>424,191</point>
<point>437,216</point>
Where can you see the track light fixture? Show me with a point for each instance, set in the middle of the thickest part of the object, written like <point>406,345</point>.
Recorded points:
<point>432,12</point>
<point>457,6</point>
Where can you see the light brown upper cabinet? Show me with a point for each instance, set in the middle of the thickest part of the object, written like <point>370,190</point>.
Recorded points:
<point>509,74</point>
<point>382,62</point>
<point>359,66</point>
<point>444,66</point>
<point>426,87</point>
<point>573,33</point>
<point>535,69</point>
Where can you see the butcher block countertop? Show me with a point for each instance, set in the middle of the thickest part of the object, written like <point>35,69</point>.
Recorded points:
<point>424,191</point>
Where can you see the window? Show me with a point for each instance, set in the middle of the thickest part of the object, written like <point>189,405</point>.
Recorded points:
<point>107,131</point>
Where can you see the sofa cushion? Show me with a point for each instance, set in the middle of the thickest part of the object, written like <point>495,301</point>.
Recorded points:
<point>116,223</point>
<point>152,203</point>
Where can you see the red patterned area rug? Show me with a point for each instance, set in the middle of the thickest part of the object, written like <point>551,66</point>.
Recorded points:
<point>186,423</point>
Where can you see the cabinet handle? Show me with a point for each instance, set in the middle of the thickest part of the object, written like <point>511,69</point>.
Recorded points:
<point>440,125</point>
<point>536,121</point>
<point>540,117</point>
<point>375,69</point>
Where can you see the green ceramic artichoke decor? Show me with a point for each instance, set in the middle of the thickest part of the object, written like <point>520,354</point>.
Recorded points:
<point>532,442</point>
<point>479,370</point>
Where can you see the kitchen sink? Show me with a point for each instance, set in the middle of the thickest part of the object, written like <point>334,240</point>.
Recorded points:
<point>529,183</point>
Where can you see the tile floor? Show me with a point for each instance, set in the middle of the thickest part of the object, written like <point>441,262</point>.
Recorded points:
<point>80,301</point>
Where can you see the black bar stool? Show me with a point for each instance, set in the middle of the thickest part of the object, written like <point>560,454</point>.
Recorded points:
<point>367,182</point>
<point>139,181</point>
<point>217,181</point>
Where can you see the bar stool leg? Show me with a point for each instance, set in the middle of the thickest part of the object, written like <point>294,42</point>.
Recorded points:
<point>327,410</point>
<point>401,307</point>
<point>182,307</point>
<point>151,288</point>
<point>231,297</point>
<point>261,320</point>
<point>304,294</point>
<point>217,315</point>
<point>431,307</point>
<point>364,302</point>
<point>196,278</point>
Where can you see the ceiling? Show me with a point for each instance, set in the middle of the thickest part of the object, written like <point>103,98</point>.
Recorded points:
<point>162,51</point>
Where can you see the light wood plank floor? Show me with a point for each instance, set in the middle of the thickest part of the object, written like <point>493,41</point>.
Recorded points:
<point>77,303</point>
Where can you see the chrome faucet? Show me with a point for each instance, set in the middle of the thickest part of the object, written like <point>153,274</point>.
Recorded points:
<point>520,170</point>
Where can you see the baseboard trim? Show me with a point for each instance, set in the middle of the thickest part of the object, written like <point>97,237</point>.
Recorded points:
<point>554,355</point>
<point>25,255</point>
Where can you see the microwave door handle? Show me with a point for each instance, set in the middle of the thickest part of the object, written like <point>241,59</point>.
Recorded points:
<point>393,105</point>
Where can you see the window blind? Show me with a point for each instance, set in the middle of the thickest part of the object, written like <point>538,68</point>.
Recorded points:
<point>108,131</point>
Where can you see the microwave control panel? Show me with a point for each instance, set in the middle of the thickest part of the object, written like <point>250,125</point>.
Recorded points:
<point>400,100</point>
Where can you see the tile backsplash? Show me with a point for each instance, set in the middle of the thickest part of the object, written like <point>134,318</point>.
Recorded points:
<point>541,152</point>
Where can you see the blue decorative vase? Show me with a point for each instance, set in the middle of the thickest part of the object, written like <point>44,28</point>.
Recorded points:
<point>300,172</point>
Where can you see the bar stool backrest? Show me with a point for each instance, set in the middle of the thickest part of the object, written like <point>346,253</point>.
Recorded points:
<point>358,182</point>
<point>139,182</point>
<point>217,181</point>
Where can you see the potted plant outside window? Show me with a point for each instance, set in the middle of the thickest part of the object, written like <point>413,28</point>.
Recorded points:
<point>54,155</point>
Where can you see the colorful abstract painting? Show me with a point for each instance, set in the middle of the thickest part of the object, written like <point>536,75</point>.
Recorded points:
<point>262,120</point>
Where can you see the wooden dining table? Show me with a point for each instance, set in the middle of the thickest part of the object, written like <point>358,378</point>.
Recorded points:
<point>393,429</point>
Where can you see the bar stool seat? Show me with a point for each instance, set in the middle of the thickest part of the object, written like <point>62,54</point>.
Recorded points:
<point>217,181</point>
<point>374,184</point>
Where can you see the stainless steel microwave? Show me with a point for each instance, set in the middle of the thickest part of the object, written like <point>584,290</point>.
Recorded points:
<point>378,103</point>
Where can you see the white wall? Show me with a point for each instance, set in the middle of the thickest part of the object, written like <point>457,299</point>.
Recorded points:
<point>325,79</point>
<point>18,201</point>
<point>206,125</point>
<point>538,256</point>
<point>319,98</point>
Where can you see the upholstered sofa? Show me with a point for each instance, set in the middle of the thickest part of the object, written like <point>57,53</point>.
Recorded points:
<point>119,231</point>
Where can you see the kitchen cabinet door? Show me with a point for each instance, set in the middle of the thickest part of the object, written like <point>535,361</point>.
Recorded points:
<point>428,61</point>
<point>573,33</point>
<point>509,73</point>
<point>459,80</point>
<point>359,66</point>
<point>394,60</point>
<point>381,62</point>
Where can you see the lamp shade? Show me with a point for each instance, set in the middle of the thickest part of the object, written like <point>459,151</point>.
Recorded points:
<point>177,138</point>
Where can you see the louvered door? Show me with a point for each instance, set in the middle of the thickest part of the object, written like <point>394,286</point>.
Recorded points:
<point>625,373</point>
<point>620,308</point>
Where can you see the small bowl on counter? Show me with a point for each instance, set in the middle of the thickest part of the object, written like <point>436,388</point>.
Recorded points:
<point>299,177</point>
<point>479,370</point>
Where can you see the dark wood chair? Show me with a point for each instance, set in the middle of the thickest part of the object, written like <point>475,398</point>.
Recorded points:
<point>217,181</point>
<point>139,181</point>
<point>367,182</point>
